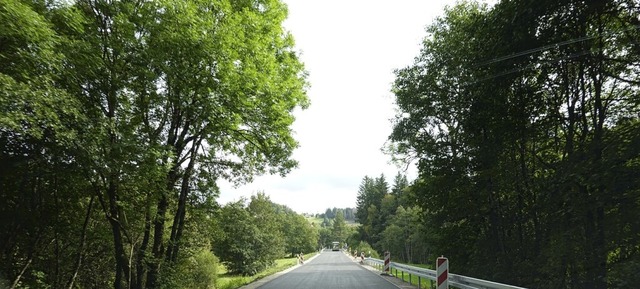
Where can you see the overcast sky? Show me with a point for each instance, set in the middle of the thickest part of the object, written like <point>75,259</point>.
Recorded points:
<point>350,49</point>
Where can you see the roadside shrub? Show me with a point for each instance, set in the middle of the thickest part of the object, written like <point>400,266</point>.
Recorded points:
<point>363,246</point>
<point>198,271</point>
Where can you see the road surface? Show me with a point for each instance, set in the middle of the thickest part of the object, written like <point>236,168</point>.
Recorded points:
<point>329,270</point>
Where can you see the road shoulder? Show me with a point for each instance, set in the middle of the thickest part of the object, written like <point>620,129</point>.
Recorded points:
<point>390,278</point>
<point>262,281</point>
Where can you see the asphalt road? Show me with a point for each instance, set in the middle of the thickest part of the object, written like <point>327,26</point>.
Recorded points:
<point>329,270</point>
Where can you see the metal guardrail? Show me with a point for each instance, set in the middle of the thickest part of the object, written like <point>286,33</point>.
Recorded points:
<point>455,280</point>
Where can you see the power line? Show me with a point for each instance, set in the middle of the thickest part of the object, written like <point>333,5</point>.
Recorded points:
<point>530,66</point>
<point>554,45</point>
<point>546,47</point>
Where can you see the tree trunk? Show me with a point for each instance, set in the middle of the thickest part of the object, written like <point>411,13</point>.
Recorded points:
<point>122,264</point>
<point>83,240</point>
<point>178,220</point>
<point>24,269</point>
<point>157,250</point>
<point>599,252</point>
<point>141,265</point>
<point>158,246</point>
<point>32,253</point>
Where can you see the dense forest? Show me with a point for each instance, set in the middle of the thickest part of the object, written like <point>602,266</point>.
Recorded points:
<point>524,120</point>
<point>116,120</point>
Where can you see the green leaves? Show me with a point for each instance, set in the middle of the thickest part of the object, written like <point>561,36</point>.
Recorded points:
<point>27,42</point>
<point>339,230</point>
<point>145,105</point>
<point>252,236</point>
<point>512,113</point>
<point>299,235</point>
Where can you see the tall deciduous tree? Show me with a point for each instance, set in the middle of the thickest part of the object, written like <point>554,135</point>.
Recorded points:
<point>241,241</point>
<point>252,236</point>
<point>519,115</point>
<point>136,110</point>
<point>299,235</point>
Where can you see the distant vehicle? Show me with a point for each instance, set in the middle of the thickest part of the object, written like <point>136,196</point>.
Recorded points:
<point>336,246</point>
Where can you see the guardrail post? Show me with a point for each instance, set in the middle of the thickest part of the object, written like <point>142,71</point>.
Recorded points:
<point>442,272</point>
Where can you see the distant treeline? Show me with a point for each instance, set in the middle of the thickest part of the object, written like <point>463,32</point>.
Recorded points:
<point>330,213</point>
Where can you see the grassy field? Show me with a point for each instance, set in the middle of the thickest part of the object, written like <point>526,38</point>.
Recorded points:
<point>318,221</point>
<point>226,281</point>
<point>314,220</point>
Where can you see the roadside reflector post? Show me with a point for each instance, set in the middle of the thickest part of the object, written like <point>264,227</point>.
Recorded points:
<point>387,263</point>
<point>442,272</point>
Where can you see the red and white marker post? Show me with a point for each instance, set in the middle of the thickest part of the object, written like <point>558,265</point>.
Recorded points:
<point>387,259</point>
<point>442,272</point>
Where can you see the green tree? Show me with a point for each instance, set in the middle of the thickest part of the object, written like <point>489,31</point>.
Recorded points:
<point>266,217</point>
<point>369,200</point>
<point>44,213</point>
<point>406,237</point>
<point>299,234</point>
<point>324,237</point>
<point>122,116</point>
<point>339,229</point>
<point>364,199</point>
<point>400,191</point>
<point>234,245</point>
<point>329,214</point>
<point>349,215</point>
<point>517,114</point>
<point>249,240</point>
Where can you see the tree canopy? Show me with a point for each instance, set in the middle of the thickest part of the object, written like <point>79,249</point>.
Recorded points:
<point>117,118</point>
<point>252,235</point>
<point>524,120</point>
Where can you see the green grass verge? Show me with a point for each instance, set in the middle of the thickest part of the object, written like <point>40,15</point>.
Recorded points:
<point>424,282</point>
<point>226,281</point>
<point>413,279</point>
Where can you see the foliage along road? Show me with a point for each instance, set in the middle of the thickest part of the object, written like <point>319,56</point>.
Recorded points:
<point>329,270</point>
